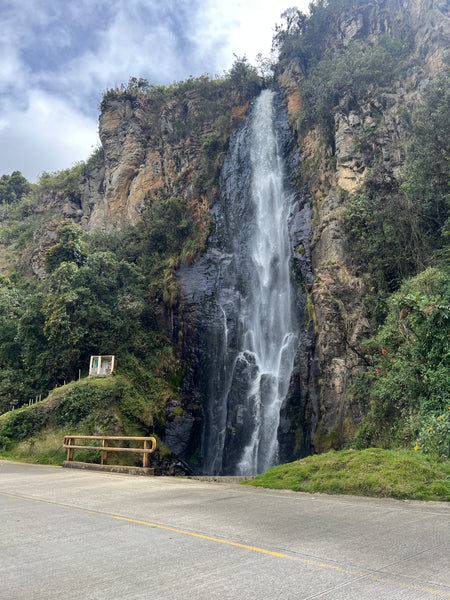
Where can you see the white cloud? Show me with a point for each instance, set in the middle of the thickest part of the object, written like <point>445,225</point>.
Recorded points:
<point>48,136</point>
<point>127,49</point>
<point>246,26</point>
<point>60,56</point>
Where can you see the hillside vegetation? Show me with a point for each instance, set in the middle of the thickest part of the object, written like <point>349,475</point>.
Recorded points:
<point>114,405</point>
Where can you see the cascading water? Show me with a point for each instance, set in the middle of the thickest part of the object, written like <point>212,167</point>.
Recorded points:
<point>251,333</point>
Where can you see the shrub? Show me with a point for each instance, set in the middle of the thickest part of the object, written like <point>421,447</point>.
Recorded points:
<point>408,382</point>
<point>434,436</point>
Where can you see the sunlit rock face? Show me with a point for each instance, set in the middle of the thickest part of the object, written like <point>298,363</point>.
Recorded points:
<point>145,152</point>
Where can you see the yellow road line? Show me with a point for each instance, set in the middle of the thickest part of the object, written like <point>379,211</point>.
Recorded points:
<point>295,558</point>
<point>204,537</point>
<point>314,563</point>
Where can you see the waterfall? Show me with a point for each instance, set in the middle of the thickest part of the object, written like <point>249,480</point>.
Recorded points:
<point>242,304</point>
<point>252,330</point>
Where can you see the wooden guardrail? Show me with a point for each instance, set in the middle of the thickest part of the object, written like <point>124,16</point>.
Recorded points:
<point>149,445</point>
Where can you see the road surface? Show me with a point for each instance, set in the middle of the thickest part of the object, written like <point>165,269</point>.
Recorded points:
<point>76,534</point>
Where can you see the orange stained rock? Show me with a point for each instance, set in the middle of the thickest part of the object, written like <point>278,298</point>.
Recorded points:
<point>294,104</point>
<point>238,113</point>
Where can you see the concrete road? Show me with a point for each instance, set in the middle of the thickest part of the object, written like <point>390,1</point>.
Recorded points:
<point>69,534</point>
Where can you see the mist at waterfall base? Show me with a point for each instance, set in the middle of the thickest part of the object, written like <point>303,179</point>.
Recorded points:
<point>249,332</point>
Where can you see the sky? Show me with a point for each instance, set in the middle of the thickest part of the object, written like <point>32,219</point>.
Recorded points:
<point>57,57</point>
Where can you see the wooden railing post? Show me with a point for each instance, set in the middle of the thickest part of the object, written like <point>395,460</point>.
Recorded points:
<point>146,457</point>
<point>70,442</point>
<point>104,459</point>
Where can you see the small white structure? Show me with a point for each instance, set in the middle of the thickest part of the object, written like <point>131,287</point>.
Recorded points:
<point>102,365</point>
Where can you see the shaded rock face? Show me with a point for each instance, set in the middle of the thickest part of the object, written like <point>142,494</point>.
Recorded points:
<point>253,406</point>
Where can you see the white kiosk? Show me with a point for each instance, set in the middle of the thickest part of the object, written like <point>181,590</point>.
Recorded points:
<point>102,365</point>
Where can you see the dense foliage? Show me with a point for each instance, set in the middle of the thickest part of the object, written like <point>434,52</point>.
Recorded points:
<point>103,294</point>
<point>407,388</point>
<point>13,187</point>
<point>397,229</point>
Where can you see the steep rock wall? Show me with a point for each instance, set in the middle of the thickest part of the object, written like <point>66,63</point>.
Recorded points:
<point>216,297</point>
<point>142,155</point>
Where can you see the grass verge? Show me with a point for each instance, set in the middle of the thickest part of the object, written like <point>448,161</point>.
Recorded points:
<point>372,472</point>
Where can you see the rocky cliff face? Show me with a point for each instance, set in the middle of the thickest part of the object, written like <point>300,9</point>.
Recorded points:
<point>237,355</point>
<point>148,147</point>
<point>337,289</point>
<point>139,161</point>
<point>142,155</point>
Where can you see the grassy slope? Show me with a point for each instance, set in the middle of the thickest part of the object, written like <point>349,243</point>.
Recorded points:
<point>371,472</point>
<point>108,406</point>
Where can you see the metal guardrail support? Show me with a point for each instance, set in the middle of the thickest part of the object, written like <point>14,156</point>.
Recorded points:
<point>149,446</point>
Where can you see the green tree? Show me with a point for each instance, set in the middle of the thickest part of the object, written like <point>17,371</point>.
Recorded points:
<point>39,359</point>
<point>69,247</point>
<point>11,376</point>
<point>244,78</point>
<point>80,310</point>
<point>13,187</point>
<point>426,173</point>
<point>409,381</point>
<point>384,236</point>
<point>65,182</point>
